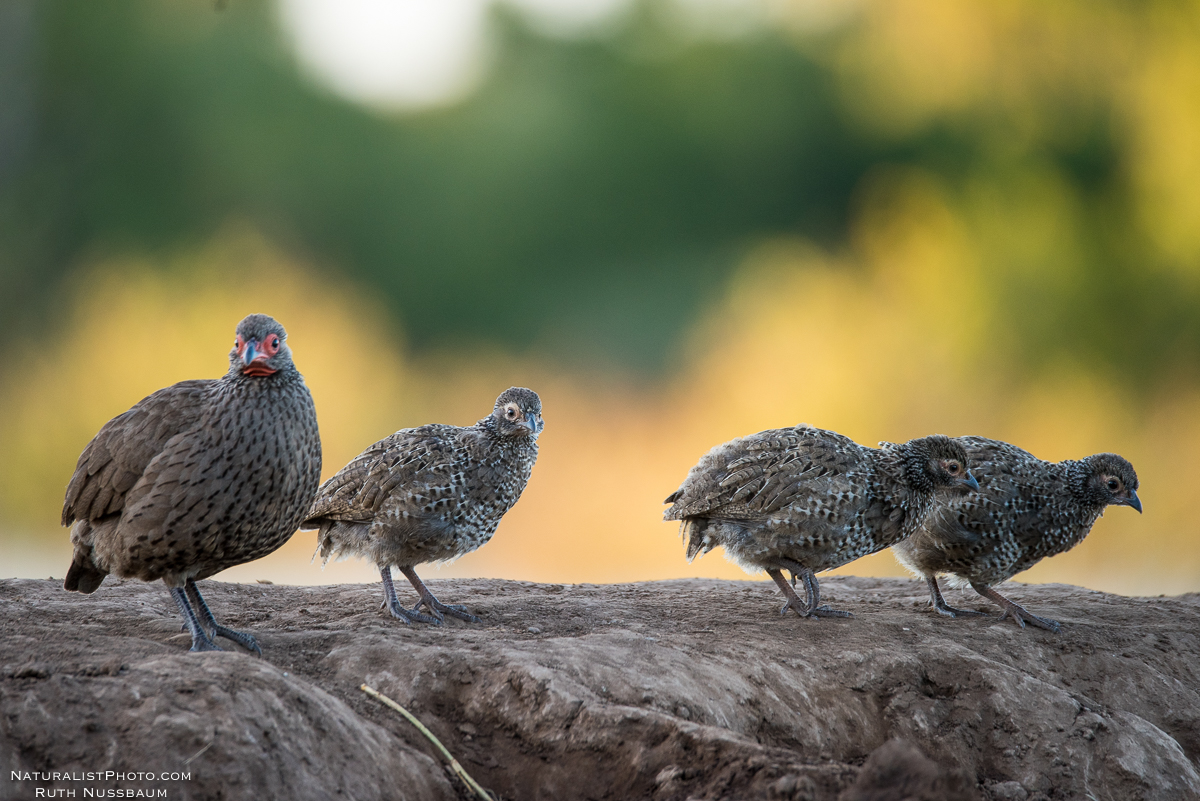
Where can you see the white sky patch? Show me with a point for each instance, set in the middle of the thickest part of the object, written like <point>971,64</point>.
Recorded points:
<point>392,54</point>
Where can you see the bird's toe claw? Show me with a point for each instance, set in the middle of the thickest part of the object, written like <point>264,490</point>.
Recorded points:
<point>459,611</point>
<point>432,611</point>
<point>1008,613</point>
<point>433,619</point>
<point>243,639</point>
<point>439,610</point>
<point>204,645</point>
<point>399,614</point>
<point>1044,623</point>
<point>951,611</point>
<point>796,607</point>
<point>1022,617</point>
<point>825,611</point>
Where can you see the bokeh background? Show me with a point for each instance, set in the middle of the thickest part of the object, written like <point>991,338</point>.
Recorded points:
<point>679,220</point>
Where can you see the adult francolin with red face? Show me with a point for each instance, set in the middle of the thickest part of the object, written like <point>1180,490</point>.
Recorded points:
<point>198,477</point>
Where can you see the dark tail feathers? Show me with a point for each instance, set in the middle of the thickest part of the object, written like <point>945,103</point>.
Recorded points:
<point>83,576</point>
<point>693,531</point>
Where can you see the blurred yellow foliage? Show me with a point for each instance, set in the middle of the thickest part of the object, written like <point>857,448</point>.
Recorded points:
<point>1015,67</point>
<point>897,336</point>
<point>1164,114</point>
<point>890,341</point>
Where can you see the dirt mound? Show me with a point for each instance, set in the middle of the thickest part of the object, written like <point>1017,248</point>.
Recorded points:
<point>664,690</point>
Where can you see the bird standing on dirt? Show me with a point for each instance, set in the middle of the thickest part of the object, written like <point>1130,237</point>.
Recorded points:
<point>429,494</point>
<point>804,500</point>
<point>198,477</point>
<point>1025,510</point>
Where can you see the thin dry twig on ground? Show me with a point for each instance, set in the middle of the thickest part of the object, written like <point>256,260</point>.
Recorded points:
<point>458,769</point>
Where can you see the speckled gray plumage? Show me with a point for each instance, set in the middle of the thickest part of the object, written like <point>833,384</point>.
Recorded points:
<point>431,493</point>
<point>1026,510</point>
<point>805,500</point>
<point>199,476</point>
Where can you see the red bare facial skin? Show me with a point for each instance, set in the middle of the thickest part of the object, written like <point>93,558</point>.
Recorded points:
<point>258,366</point>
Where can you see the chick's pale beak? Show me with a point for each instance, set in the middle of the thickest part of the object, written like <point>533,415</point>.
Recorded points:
<point>1134,501</point>
<point>969,481</point>
<point>534,423</point>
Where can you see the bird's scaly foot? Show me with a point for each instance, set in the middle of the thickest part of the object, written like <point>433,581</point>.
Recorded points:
<point>243,639</point>
<point>953,611</point>
<point>941,607</point>
<point>825,611</point>
<point>406,615</point>
<point>438,609</point>
<point>801,608</point>
<point>209,623</point>
<point>1019,615</point>
<point>796,605</point>
<point>812,591</point>
<point>203,643</point>
<point>200,639</point>
<point>429,601</point>
<point>398,609</point>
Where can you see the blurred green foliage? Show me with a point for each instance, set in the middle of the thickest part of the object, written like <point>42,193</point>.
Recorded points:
<point>589,200</point>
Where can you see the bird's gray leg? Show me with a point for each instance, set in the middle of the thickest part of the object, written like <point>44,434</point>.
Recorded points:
<point>1015,611</point>
<point>243,639</point>
<point>396,608</point>
<point>793,600</point>
<point>200,640</point>
<point>939,603</point>
<point>433,604</point>
<point>812,590</point>
<point>798,570</point>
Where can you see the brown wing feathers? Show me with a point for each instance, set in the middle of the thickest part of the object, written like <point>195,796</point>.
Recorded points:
<point>118,455</point>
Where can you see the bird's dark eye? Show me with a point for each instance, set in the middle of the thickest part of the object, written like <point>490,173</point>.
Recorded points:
<point>952,467</point>
<point>1113,485</point>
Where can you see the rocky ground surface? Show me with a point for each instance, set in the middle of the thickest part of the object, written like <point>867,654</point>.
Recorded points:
<point>664,690</point>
